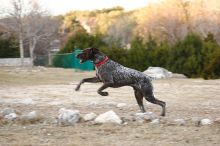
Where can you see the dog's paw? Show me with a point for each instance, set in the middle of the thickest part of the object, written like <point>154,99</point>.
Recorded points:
<point>103,93</point>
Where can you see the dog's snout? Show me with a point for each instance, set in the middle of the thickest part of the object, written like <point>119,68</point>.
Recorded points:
<point>78,55</point>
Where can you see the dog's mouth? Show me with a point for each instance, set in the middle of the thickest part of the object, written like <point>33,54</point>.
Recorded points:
<point>81,61</point>
<point>80,57</point>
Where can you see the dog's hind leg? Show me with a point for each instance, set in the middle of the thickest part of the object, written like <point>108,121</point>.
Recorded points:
<point>153,100</point>
<point>139,98</point>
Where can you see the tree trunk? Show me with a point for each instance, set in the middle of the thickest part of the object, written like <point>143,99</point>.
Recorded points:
<point>32,44</point>
<point>21,47</point>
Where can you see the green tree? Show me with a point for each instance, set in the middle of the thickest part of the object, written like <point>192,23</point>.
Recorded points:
<point>211,53</point>
<point>119,55</point>
<point>186,56</point>
<point>137,55</point>
<point>9,47</point>
<point>160,55</point>
<point>83,40</point>
<point>212,70</point>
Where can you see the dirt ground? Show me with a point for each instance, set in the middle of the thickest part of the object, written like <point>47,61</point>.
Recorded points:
<point>46,90</point>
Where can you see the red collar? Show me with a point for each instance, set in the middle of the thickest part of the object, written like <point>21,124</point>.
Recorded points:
<point>101,63</point>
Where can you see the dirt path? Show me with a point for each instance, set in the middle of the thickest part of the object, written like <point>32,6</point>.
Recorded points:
<point>185,98</point>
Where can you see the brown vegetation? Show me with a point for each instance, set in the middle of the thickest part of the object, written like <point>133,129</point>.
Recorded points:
<point>186,98</point>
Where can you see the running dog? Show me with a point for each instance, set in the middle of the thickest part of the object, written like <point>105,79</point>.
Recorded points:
<point>113,74</point>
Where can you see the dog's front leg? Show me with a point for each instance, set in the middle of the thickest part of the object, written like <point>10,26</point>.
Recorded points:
<point>104,86</point>
<point>90,80</point>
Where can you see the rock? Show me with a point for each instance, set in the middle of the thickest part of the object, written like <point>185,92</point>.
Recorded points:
<point>93,103</point>
<point>179,122</point>
<point>68,117</point>
<point>155,121</point>
<point>111,103</point>
<point>89,117</point>
<point>128,119</point>
<point>206,122</point>
<point>179,76</point>
<point>120,105</point>
<point>7,111</point>
<point>31,117</point>
<point>162,73</point>
<point>217,121</point>
<point>144,117</point>
<point>41,68</point>
<point>158,73</point>
<point>10,116</point>
<point>27,101</point>
<point>196,120</point>
<point>108,117</point>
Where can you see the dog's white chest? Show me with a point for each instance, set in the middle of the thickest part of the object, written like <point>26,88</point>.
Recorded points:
<point>97,73</point>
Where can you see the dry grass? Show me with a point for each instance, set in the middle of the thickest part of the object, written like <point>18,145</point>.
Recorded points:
<point>50,89</point>
<point>38,76</point>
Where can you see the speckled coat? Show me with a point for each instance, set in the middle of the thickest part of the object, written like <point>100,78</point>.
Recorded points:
<point>115,75</point>
<point>119,75</point>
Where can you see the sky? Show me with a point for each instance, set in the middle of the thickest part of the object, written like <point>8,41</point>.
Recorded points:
<point>57,7</point>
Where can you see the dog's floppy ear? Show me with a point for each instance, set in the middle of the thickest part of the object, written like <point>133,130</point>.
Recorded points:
<point>95,50</point>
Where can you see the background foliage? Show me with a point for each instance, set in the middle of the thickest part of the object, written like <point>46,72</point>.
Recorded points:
<point>192,56</point>
<point>8,47</point>
<point>182,36</point>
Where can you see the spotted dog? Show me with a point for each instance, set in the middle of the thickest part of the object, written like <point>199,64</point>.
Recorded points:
<point>115,75</point>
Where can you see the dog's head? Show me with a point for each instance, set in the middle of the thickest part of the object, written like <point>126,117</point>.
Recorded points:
<point>87,54</point>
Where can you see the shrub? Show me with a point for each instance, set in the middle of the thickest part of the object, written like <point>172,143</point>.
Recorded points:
<point>212,69</point>
<point>191,56</point>
<point>82,40</point>
<point>8,47</point>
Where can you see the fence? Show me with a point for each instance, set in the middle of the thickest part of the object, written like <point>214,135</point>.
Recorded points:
<point>69,60</point>
<point>14,61</point>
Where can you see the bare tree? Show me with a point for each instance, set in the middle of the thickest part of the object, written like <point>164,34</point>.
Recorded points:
<point>32,25</point>
<point>17,25</point>
<point>121,30</point>
<point>39,27</point>
<point>172,20</point>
